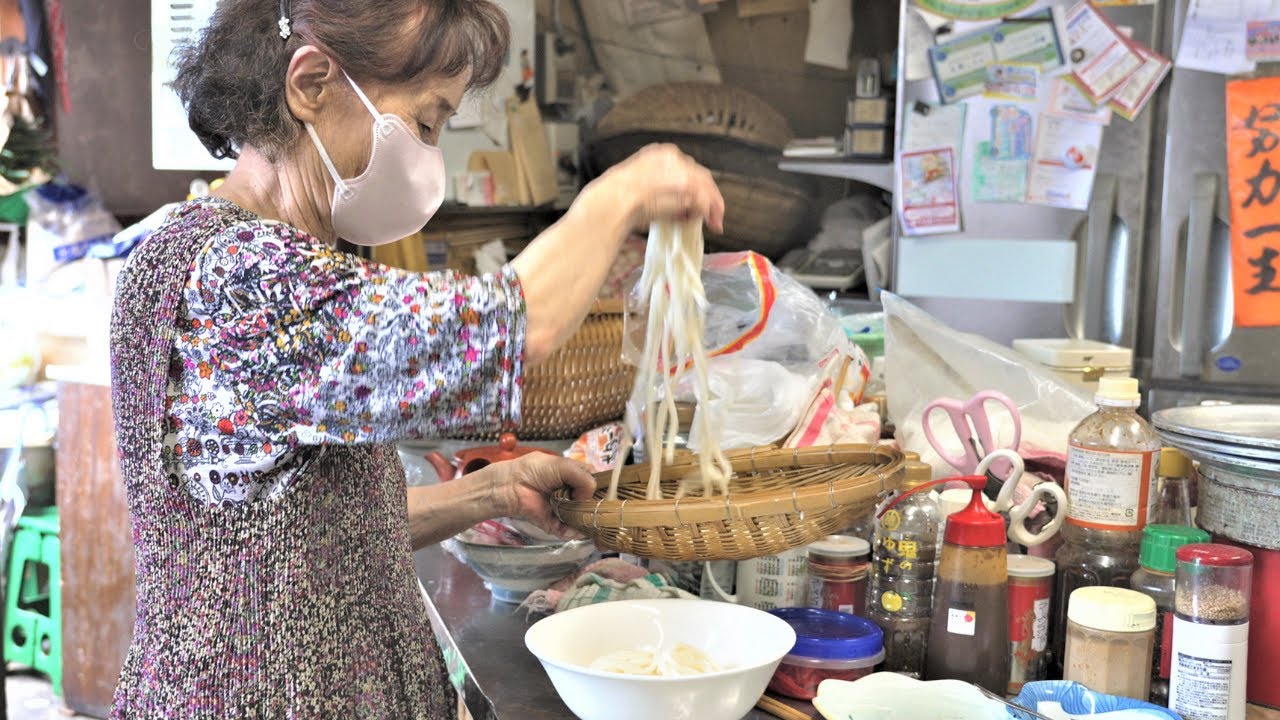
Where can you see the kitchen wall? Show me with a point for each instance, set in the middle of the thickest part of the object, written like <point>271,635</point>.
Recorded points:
<point>105,141</point>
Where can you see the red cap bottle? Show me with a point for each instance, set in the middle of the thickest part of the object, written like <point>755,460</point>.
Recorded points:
<point>975,525</point>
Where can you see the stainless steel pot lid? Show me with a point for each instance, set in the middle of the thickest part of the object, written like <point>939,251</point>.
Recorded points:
<point>1246,426</point>
<point>1195,445</point>
<point>1261,468</point>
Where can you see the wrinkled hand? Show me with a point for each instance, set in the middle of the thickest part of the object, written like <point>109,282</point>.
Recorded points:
<point>661,183</point>
<point>524,484</point>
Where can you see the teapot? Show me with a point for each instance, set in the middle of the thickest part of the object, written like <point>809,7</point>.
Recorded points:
<point>473,459</point>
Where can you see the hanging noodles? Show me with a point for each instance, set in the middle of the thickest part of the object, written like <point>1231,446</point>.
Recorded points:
<point>681,660</point>
<point>673,346</point>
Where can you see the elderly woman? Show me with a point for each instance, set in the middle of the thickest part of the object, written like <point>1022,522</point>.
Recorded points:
<point>261,375</point>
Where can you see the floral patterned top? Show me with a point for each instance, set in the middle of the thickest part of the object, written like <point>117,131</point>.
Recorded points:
<point>288,343</point>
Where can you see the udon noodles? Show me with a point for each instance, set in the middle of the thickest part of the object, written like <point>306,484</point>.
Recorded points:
<point>678,661</point>
<point>673,347</point>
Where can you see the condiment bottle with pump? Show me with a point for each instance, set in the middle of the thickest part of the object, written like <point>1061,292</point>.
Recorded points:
<point>1155,579</point>
<point>1211,632</point>
<point>1110,482</point>
<point>969,638</point>
<point>903,565</point>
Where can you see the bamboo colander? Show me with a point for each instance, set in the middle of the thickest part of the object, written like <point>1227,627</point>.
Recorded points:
<point>779,499</point>
<point>583,384</point>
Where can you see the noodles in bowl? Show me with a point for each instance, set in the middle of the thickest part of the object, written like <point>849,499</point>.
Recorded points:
<point>674,662</point>
<point>670,659</point>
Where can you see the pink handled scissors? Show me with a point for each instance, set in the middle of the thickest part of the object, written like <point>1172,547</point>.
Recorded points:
<point>972,426</point>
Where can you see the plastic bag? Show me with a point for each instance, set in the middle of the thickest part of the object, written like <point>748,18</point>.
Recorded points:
<point>65,221</point>
<point>766,335</point>
<point>755,401</point>
<point>1066,700</point>
<point>926,360</point>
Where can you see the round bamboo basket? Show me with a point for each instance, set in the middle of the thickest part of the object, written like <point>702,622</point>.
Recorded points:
<point>698,108</point>
<point>582,385</point>
<point>779,499</point>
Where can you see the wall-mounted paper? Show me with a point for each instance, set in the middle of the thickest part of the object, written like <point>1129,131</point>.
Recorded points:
<point>173,145</point>
<point>960,65</point>
<point>940,126</point>
<point>1064,162</point>
<point>830,31</point>
<point>930,199</point>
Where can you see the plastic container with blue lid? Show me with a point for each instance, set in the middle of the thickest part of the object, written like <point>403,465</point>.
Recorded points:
<point>829,645</point>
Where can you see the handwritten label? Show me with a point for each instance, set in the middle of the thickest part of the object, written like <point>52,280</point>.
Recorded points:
<point>1253,172</point>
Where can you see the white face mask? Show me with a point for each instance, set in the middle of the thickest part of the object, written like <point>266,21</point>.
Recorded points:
<point>398,192</point>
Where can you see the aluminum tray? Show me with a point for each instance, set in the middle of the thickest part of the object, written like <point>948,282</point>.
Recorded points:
<point>1244,426</point>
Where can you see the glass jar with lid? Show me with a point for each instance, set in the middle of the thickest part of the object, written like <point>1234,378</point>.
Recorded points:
<point>1110,638</point>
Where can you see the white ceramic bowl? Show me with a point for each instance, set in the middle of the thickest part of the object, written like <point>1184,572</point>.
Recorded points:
<point>747,641</point>
<point>511,572</point>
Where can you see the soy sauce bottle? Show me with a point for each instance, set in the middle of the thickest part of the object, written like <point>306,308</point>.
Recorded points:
<point>969,636</point>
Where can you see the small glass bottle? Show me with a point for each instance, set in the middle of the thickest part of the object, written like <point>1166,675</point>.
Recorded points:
<point>1110,636</point>
<point>1173,496</point>
<point>1155,579</point>
<point>1110,484</point>
<point>1211,632</point>
<point>969,635</point>
<point>903,566</point>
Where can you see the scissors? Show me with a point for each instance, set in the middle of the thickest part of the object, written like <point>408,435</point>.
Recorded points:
<point>972,426</point>
<point>1018,514</point>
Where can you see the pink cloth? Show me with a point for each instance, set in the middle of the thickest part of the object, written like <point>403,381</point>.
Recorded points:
<point>545,601</point>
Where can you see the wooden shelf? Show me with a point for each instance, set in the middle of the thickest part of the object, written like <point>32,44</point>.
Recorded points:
<point>879,174</point>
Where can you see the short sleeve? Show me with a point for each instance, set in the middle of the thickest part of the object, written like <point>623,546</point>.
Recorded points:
<point>327,347</point>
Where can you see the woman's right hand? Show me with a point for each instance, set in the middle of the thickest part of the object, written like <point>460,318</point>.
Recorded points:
<point>661,183</point>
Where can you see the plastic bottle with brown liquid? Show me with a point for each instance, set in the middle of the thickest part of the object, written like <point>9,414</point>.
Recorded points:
<point>969,635</point>
<point>1112,458</point>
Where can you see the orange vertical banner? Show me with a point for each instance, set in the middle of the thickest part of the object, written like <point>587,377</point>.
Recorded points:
<point>1253,182</point>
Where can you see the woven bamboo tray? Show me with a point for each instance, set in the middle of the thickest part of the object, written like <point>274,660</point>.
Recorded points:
<point>779,499</point>
<point>582,385</point>
<point>698,108</point>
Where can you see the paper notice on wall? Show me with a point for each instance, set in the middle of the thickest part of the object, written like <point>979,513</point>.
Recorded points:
<point>1253,186</point>
<point>938,126</point>
<point>1066,100</point>
<point>999,164</point>
<point>960,65</point>
<point>1011,81</point>
<point>173,145</point>
<point>1215,34</point>
<point>1262,40</point>
<point>1102,58</point>
<point>1064,162</point>
<point>1141,85</point>
<point>830,31</point>
<point>930,198</point>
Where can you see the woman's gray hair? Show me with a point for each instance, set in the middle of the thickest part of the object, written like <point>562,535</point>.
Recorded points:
<point>231,79</point>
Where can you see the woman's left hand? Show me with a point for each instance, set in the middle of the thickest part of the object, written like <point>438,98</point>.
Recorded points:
<point>524,484</point>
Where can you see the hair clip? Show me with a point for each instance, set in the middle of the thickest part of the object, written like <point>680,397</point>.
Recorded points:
<point>284,23</point>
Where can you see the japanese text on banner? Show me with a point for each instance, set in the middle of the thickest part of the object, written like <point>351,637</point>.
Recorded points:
<point>1253,171</point>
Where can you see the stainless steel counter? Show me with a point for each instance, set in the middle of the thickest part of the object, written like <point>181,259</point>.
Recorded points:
<point>483,643</point>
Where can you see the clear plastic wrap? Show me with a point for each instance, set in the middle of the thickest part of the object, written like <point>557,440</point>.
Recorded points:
<point>765,335</point>
<point>926,360</point>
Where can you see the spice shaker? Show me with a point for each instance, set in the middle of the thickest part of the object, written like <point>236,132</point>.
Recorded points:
<point>1110,637</point>
<point>1110,484</point>
<point>1030,593</point>
<point>904,562</point>
<point>1155,579</point>
<point>838,574</point>
<point>1211,632</point>
<point>969,637</point>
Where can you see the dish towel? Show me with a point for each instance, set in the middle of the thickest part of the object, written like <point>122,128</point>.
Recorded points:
<point>593,588</point>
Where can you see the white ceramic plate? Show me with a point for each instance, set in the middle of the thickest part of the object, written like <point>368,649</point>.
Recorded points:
<point>890,696</point>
